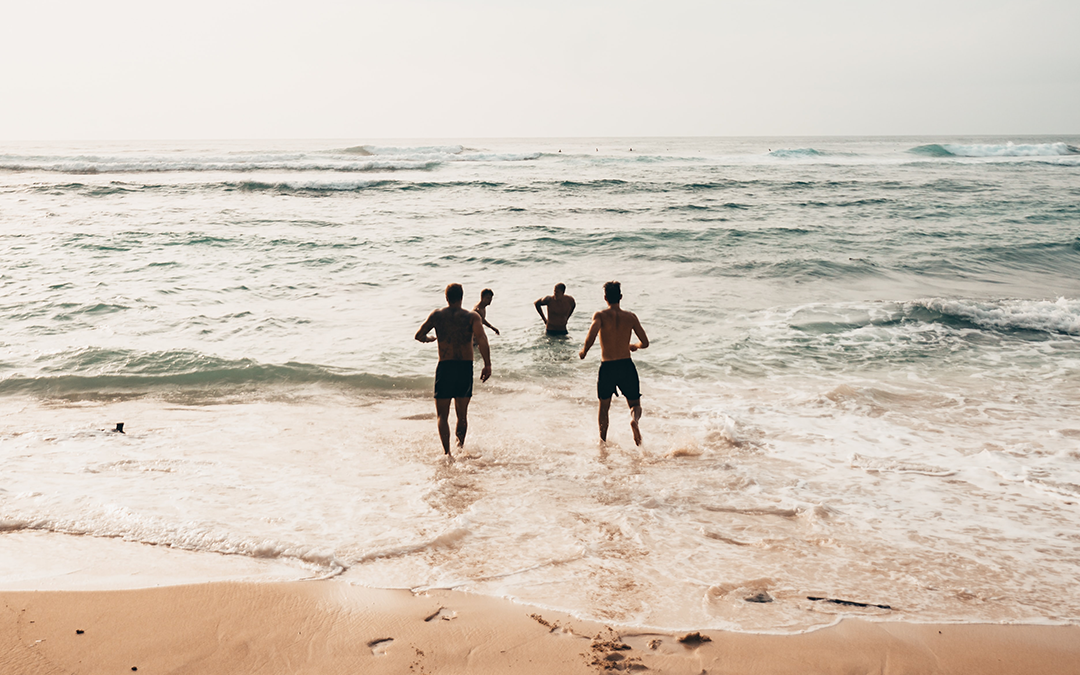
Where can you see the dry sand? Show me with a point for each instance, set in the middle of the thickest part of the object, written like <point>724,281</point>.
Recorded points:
<point>329,627</point>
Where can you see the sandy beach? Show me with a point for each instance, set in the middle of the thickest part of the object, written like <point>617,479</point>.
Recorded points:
<point>333,627</point>
<point>860,402</point>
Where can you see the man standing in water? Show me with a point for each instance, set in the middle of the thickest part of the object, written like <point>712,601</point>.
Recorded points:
<point>614,325</point>
<point>560,307</point>
<point>456,329</point>
<point>486,296</point>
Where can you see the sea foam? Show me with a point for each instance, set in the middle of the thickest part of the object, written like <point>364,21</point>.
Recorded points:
<point>996,150</point>
<point>1057,316</point>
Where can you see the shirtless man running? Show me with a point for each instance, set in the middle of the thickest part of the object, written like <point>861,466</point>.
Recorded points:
<point>456,329</point>
<point>560,307</point>
<point>614,326</point>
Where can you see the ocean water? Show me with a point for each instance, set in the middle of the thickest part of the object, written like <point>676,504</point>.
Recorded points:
<point>863,382</point>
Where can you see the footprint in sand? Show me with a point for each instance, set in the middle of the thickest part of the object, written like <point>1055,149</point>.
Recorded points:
<point>379,647</point>
<point>443,614</point>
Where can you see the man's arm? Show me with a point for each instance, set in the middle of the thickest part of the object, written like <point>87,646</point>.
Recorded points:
<point>425,328</point>
<point>485,321</point>
<point>573,306</point>
<point>537,305</point>
<point>481,341</point>
<point>594,330</point>
<point>640,332</point>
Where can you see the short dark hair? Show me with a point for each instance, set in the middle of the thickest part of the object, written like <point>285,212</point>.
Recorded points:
<point>613,291</point>
<point>560,288</point>
<point>454,293</point>
<point>487,291</point>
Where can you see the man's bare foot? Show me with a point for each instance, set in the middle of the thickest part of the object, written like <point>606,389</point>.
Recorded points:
<point>636,430</point>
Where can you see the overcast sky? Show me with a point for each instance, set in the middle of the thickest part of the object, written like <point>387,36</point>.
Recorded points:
<point>134,69</point>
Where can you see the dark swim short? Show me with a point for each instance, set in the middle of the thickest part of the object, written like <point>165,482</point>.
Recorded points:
<point>557,331</point>
<point>621,374</point>
<point>453,379</point>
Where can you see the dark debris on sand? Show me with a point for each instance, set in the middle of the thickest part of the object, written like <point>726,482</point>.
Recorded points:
<point>605,653</point>
<point>848,603</point>
<point>694,639</point>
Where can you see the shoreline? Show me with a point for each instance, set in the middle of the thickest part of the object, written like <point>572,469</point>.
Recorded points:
<point>330,626</point>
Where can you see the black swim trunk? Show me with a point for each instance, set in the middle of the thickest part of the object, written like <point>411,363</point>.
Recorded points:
<point>621,374</point>
<point>453,379</point>
<point>557,331</point>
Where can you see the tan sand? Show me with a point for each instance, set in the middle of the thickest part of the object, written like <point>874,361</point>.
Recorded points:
<point>329,627</point>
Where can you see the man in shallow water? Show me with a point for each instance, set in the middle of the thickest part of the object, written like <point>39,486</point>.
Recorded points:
<point>560,307</point>
<point>456,329</point>
<point>614,326</point>
<point>486,296</point>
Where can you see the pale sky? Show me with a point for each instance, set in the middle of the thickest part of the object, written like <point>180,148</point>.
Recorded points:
<point>145,69</point>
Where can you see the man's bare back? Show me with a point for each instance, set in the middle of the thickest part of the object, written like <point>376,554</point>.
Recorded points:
<point>559,308</point>
<point>455,331</point>
<point>615,326</point>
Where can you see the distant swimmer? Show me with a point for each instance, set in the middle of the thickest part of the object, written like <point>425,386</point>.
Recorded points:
<point>456,329</point>
<point>559,308</point>
<point>614,326</point>
<point>486,296</point>
<point>119,428</point>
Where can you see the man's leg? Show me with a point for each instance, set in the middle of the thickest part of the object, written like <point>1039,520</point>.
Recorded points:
<point>605,405</point>
<point>461,406</point>
<point>442,409</point>
<point>635,415</point>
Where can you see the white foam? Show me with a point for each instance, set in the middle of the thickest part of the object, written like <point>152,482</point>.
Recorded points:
<point>1057,316</point>
<point>1009,150</point>
<point>112,521</point>
<point>415,150</point>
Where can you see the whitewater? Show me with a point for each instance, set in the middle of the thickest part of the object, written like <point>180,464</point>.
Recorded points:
<point>862,386</point>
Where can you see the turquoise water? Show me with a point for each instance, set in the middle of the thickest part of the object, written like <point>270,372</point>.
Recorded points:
<point>862,382</point>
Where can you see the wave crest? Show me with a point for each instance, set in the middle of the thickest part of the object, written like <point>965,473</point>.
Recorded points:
<point>995,150</point>
<point>1059,316</point>
<point>93,373</point>
<point>796,153</point>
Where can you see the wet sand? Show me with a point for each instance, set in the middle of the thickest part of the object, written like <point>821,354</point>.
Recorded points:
<point>332,627</point>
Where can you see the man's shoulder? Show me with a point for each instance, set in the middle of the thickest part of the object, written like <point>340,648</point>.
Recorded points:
<point>451,313</point>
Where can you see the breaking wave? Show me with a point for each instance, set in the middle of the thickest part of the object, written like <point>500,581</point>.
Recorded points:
<point>796,153</point>
<point>1058,316</point>
<point>101,372</point>
<point>1061,316</point>
<point>995,150</point>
